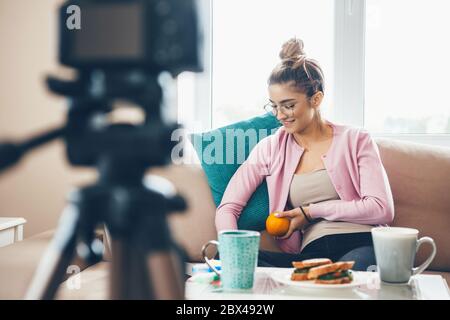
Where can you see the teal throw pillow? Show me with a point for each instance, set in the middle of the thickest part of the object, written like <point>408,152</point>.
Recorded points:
<point>223,150</point>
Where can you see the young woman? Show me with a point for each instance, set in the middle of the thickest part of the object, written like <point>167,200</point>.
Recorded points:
<point>326,178</point>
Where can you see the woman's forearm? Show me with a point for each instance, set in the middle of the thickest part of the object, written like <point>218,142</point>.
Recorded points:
<point>365,211</point>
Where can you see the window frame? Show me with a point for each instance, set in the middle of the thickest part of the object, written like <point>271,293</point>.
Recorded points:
<point>349,62</point>
<point>200,109</point>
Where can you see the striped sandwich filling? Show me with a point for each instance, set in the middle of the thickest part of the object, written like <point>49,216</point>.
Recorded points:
<point>336,275</point>
<point>303,270</point>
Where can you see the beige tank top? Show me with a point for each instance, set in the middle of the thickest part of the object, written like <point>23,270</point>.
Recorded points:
<point>314,187</point>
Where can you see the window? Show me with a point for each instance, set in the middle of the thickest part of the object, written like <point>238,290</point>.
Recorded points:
<point>385,63</point>
<point>407,67</point>
<point>247,37</point>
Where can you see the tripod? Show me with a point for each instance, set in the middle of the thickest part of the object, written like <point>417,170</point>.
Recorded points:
<point>146,263</point>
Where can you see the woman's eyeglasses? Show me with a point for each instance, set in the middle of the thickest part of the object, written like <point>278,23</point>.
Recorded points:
<point>285,109</point>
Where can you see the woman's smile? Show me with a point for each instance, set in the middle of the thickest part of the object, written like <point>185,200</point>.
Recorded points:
<point>287,123</point>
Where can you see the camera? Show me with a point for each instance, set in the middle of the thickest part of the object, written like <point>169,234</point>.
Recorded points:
<point>153,35</point>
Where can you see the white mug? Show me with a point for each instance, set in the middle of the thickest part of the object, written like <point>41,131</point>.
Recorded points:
<point>395,251</point>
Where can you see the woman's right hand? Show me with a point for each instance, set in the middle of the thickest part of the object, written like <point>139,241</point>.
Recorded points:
<point>297,218</point>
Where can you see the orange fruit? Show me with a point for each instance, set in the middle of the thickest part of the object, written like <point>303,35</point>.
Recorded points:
<point>277,227</point>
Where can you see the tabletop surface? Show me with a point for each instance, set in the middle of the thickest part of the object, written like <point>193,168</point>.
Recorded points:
<point>6,223</point>
<point>421,287</point>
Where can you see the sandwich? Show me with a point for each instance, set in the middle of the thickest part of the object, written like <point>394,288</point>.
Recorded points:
<point>334,273</point>
<point>302,268</point>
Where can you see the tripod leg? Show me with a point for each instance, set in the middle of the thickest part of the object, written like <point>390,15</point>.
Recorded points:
<point>128,272</point>
<point>139,285</point>
<point>119,270</point>
<point>164,275</point>
<point>57,257</point>
<point>138,275</point>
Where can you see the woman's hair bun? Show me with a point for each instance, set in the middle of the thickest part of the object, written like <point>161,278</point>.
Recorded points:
<point>292,50</point>
<point>297,69</point>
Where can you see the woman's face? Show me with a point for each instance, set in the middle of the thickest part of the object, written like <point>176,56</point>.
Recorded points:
<point>298,109</point>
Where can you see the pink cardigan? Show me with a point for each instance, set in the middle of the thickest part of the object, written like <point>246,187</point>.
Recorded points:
<point>352,162</point>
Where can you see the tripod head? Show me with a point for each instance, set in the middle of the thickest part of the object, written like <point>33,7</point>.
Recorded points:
<point>90,138</point>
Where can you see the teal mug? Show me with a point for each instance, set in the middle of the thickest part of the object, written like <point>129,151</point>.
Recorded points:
<point>238,250</point>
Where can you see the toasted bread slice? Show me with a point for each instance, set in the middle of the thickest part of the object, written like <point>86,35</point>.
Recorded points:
<point>334,281</point>
<point>299,276</point>
<point>311,263</point>
<point>316,272</point>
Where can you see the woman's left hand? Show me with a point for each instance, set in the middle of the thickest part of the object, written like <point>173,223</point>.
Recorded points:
<point>298,220</point>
